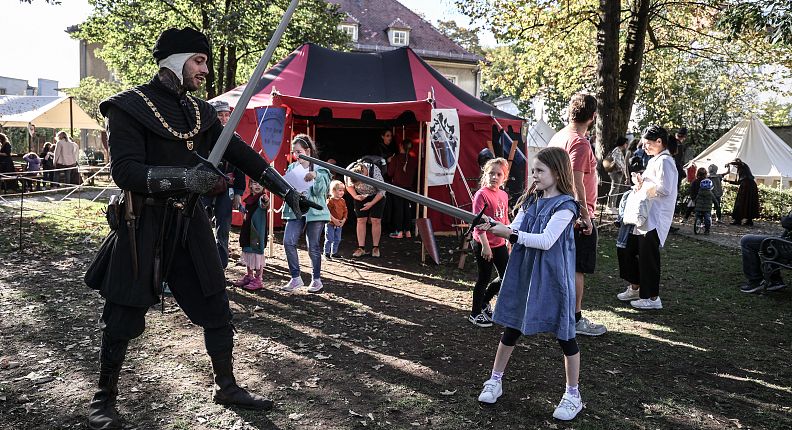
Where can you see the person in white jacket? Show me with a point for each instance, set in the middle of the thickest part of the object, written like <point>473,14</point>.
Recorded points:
<point>66,155</point>
<point>639,262</point>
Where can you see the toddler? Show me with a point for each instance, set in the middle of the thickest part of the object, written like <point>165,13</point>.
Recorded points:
<point>253,237</point>
<point>338,217</point>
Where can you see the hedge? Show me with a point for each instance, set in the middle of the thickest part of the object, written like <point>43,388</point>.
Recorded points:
<point>774,203</point>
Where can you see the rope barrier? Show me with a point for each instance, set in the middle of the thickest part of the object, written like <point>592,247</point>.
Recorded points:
<point>63,216</point>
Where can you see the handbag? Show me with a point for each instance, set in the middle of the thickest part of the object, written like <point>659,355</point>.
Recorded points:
<point>94,276</point>
<point>608,164</point>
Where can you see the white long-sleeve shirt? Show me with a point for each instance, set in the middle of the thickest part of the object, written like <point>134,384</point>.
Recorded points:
<point>548,237</point>
<point>660,182</point>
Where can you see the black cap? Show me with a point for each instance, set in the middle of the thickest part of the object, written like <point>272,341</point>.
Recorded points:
<point>180,41</point>
<point>682,131</point>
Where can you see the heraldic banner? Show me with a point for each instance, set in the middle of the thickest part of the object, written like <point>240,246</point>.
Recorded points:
<point>442,151</point>
<point>271,120</point>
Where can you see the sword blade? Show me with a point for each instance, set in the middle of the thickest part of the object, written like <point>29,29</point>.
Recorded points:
<point>437,205</point>
<point>225,136</point>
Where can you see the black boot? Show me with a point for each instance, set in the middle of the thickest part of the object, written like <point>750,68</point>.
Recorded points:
<point>226,390</point>
<point>102,414</point>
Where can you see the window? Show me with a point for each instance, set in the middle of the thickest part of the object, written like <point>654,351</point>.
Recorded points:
<point>400,38</point>
<point>351,30</point>
<point>451,78</point>
<point>2,91</point>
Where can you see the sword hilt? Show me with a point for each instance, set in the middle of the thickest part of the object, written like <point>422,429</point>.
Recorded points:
<point>476,220</point>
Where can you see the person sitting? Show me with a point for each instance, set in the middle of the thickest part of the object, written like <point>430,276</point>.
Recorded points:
<point>752,264</point>
<point>34,170</point>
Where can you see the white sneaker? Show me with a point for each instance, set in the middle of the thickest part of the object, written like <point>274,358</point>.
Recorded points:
<point>647,304</point>
<point>629,294</point>
<point>568,408</point>
<point>492,390</point>
<point>588,328</point>
<point>293,284</point>
<point>316,286</point>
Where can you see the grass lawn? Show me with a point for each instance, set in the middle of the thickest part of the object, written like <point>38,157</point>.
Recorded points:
<point>388,345</point>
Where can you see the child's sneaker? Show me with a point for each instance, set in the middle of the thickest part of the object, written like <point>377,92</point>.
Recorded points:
<point>243,281</point>
<point>492,390</point>
<point>316,286</point>
<point>568,408</point>
<point>487,312</point>
<point>293,284</point>
<point>647,304</point>
<point>480,320</point>
<point>253,285</point>
<point>396,235</point>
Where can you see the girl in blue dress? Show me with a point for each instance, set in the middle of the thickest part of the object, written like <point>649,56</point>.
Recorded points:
<point>538,290</point>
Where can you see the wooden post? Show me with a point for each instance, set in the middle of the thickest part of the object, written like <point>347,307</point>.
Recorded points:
<point>511,159</point>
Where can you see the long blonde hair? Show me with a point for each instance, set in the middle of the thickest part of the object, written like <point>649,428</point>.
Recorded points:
<point>557,160</point>
<point>483,182</point>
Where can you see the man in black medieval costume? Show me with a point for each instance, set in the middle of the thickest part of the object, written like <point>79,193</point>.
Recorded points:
<point>154,131</point>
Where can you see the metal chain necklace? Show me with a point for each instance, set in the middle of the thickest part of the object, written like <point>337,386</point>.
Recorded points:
<point>185,136</point>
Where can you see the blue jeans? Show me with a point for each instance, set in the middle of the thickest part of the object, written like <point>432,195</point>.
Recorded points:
<point>707,216</point>
<point>221,209</point>
<point>313,235</point>
<point>332,238</point>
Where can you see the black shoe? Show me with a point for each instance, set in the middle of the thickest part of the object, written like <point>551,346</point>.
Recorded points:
<point>336,256</point>
<point>102,413</point>
<point>752,288</point>
<point>775,286</point>
<point>749,223</point>
<point>226,390</point>
<point>673,229</point>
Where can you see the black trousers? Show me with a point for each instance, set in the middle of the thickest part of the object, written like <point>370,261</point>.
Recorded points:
<point>639,263</point>
<point>485,290</point>
<point>400,213</point>
<point>123,323</point>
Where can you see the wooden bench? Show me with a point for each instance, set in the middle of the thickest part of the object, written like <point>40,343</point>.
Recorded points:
<point>775,253</point>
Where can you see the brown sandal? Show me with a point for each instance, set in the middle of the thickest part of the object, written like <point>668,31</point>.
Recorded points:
<point>359,252</point>
<point>375,252</point>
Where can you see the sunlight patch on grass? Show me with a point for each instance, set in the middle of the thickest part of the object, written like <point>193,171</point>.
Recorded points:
<point>755,381</point>
<point>672,342</point>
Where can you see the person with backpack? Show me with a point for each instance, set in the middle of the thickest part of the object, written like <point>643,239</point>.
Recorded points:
<point>369,202</point>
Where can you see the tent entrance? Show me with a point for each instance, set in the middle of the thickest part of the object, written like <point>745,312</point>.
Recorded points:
<point>348,143</point>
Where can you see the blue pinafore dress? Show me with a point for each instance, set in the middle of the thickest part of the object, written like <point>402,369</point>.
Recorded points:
<point>538,290</point>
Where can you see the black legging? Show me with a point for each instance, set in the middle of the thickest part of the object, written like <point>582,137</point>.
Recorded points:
<point>510,336</point>
<point>485,290</point>
<point>401,215</point>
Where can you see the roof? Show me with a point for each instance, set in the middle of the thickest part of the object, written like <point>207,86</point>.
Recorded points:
<point>374,17</point>
<point>44,112</point>
<point>755,144</point>
<point>321,74</point>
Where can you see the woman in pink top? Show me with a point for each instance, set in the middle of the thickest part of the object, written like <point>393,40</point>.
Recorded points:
<point>488,249</point>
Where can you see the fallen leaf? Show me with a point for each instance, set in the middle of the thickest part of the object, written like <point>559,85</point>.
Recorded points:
<point>295,416</point>
<point>370,416</point>
<point>354,414</point>
<point>357,393</point>
<point>448,393</point>
<point>377,366</point>
<point>322,357</point>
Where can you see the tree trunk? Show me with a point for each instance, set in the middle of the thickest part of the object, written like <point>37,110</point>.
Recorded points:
<point>632,61</point>
<point>221,64</point>
<point>608,110</point>
<point>211,90</point>
<point>231,68</point>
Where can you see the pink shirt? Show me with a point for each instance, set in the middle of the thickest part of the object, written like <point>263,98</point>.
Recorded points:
<point>583,160</point>
<point>497,208</point>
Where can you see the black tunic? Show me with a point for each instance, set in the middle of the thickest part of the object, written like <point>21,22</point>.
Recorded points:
<point>138,140</point>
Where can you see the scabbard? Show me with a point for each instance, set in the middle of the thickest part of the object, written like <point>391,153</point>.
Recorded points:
<point>131,223</point>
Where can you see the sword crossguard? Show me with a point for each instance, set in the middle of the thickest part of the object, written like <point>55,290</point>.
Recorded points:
<point>212,166</point>
<point>476,220</point>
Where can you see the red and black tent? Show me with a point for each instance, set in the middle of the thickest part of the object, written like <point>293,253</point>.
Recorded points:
<point>335,96</point>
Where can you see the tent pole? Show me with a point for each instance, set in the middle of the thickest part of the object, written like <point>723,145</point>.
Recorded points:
<point>71,117</point>
<point>425,185</point>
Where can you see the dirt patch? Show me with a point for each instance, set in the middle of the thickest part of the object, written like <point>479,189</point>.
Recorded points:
<point>387,345</point>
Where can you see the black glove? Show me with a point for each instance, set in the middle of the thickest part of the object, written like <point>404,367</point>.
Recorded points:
<point>299,204</point>
<point>201,179</point>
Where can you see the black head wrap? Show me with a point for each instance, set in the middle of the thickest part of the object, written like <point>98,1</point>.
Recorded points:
<point>654,132</point>
<point>180,41</point>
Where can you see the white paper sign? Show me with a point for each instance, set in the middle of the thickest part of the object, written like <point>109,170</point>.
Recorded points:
<point>442,150</point>
<point>296,178</point>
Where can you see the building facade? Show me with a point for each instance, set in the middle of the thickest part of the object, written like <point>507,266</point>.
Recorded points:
<point>384,25</point>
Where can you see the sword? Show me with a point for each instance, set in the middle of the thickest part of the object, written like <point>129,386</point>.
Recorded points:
<point>473,219</point>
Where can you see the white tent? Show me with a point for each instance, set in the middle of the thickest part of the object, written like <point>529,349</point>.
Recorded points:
<point>769,157</point>
<point>44,112</point>
<point>537,137</point>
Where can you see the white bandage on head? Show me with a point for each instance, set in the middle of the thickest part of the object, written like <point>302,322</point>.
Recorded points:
<point>175,63</point>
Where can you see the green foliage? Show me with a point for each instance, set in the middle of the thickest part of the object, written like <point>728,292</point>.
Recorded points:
<point>774,113</point>
<point>774,202</point>
<point>465,37</point>
<point>91,92</point>
<point>238,31</point>
<point>771,19</point>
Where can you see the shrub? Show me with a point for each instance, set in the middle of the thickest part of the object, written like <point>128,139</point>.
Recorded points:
<point>774,203</point>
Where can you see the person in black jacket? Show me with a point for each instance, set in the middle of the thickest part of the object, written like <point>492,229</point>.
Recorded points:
<point>155,131</point>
